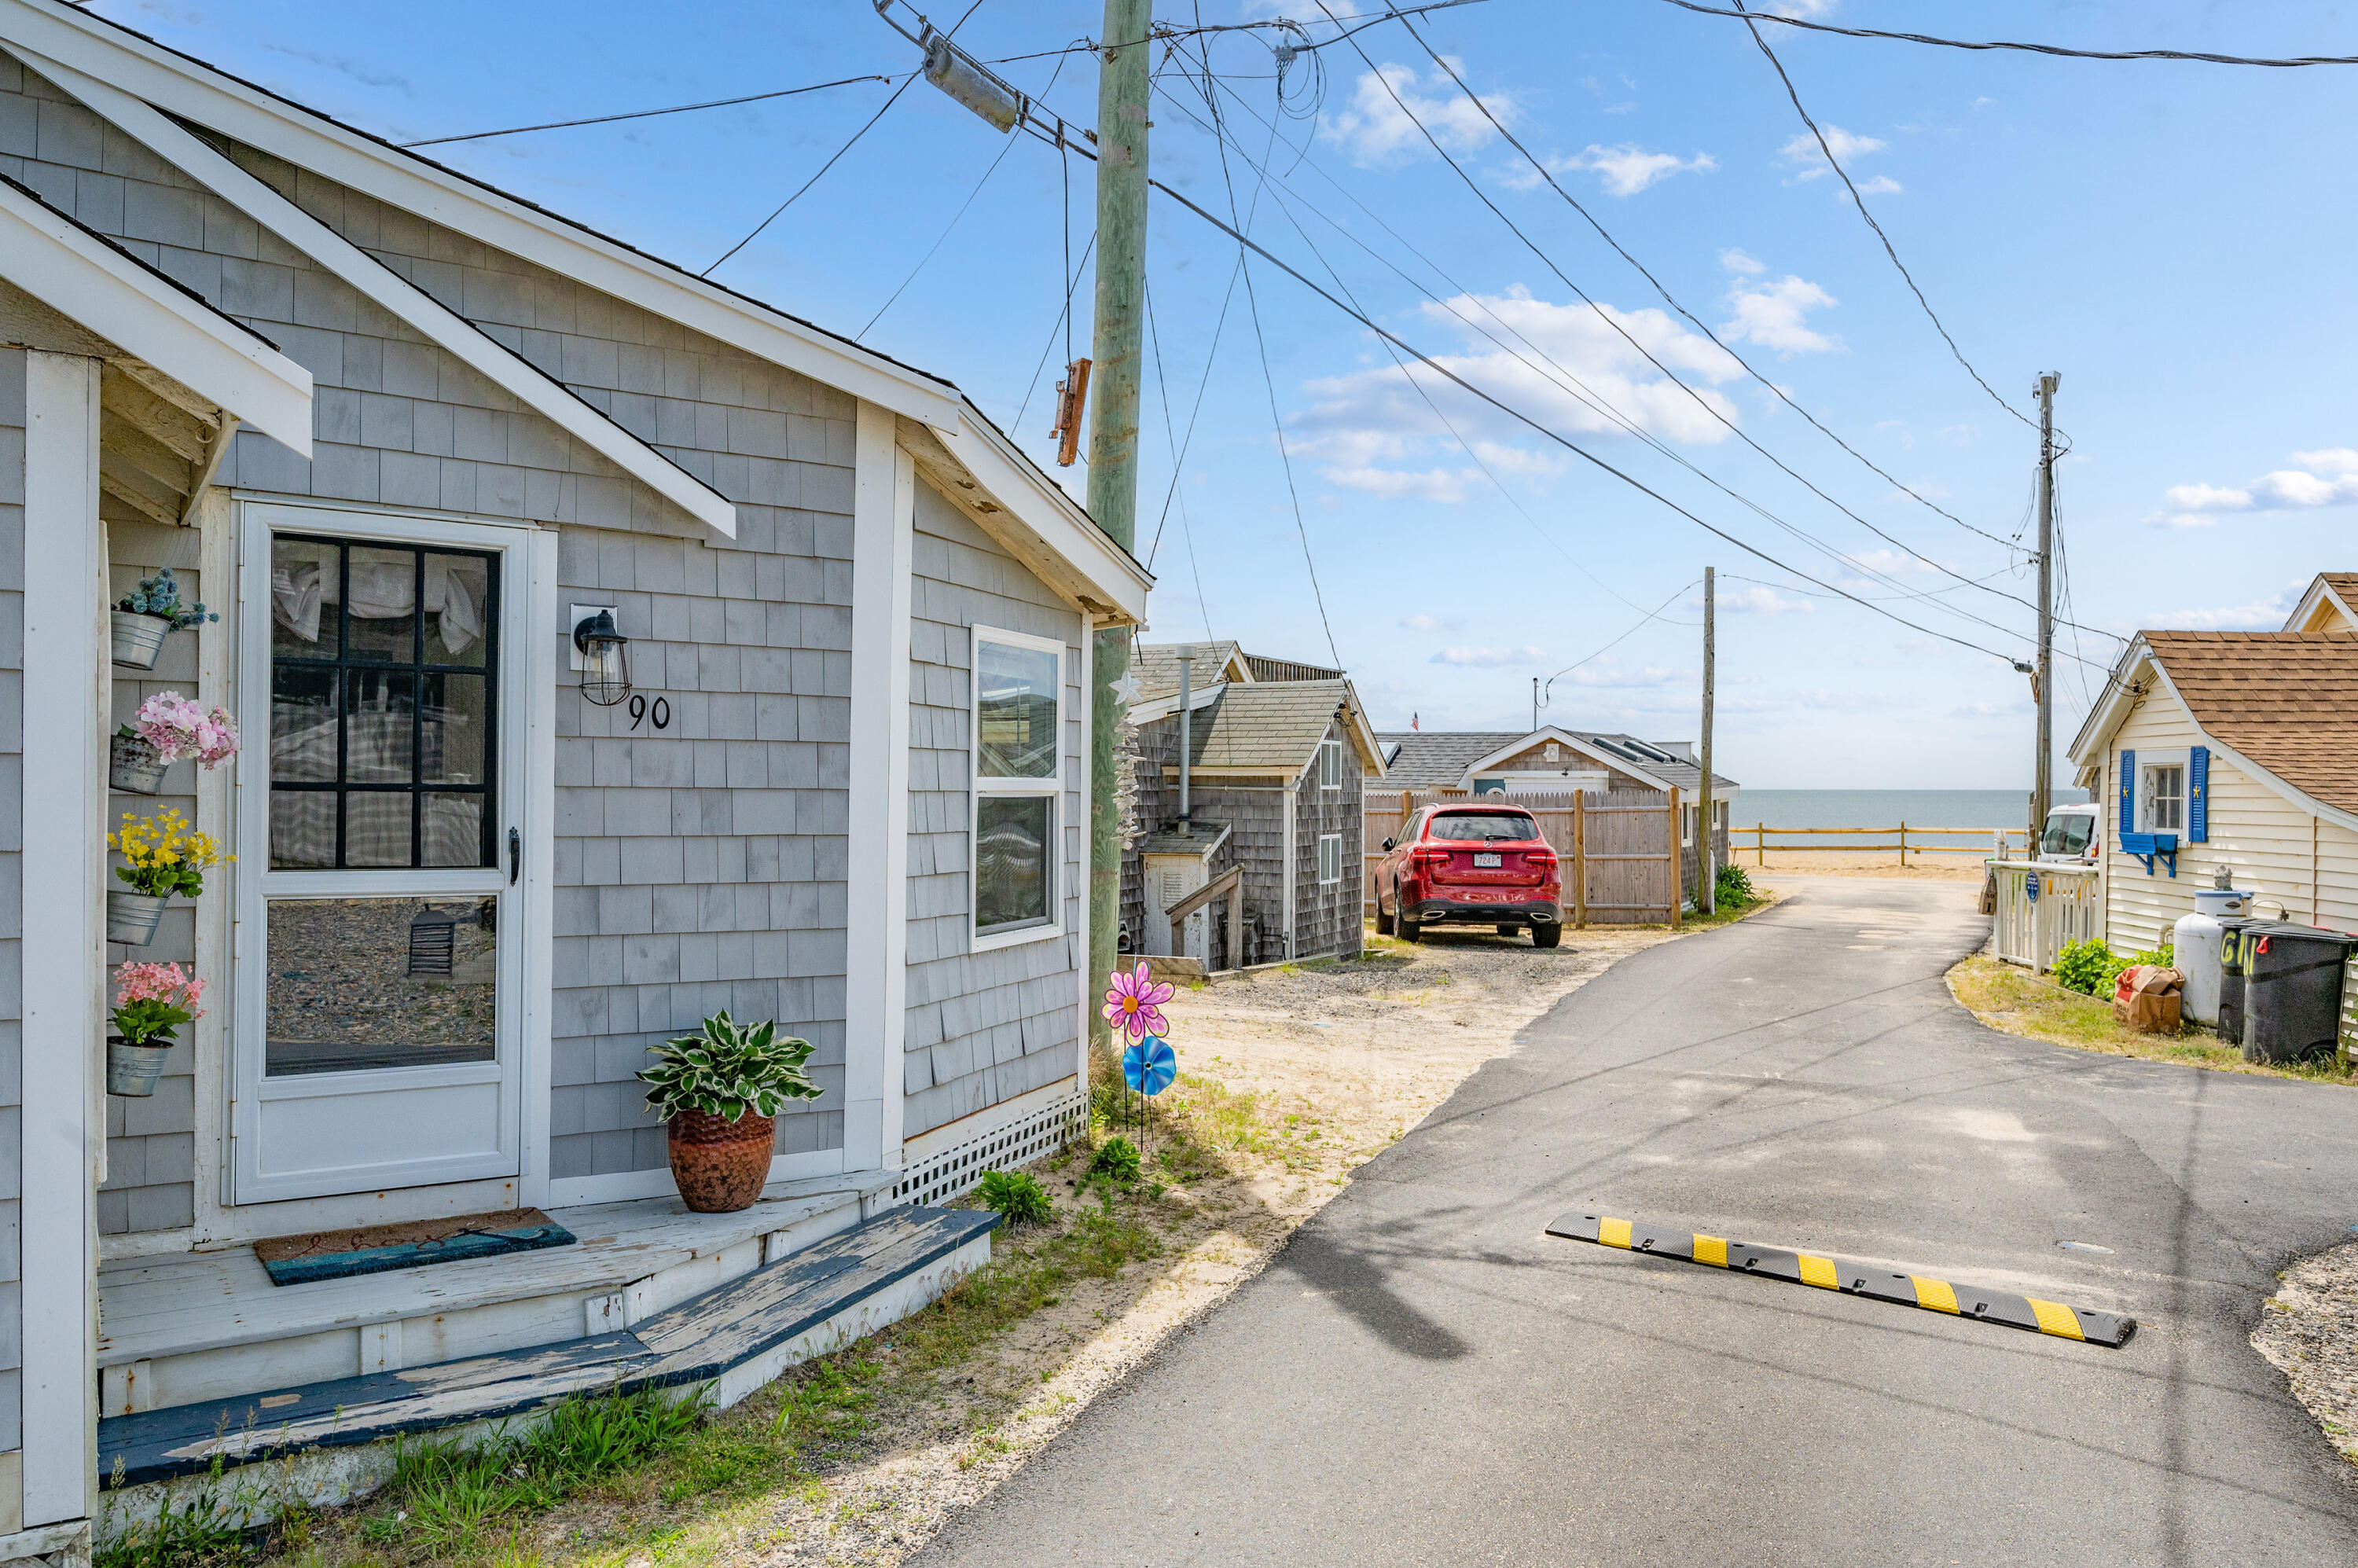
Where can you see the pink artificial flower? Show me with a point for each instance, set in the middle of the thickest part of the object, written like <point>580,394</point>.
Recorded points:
<point>179,728</point>
<point>1135,1003</point>
<point>158,982</point>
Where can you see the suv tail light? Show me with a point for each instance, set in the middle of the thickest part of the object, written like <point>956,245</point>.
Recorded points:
<point>1428,857</point>
<point>1540,859</point>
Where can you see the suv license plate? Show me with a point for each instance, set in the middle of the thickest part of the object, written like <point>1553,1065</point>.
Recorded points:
<point>1487,863</point>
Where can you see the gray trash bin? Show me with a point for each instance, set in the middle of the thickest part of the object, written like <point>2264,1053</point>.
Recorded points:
<point>2231,976</point>
<point>2292,991</point>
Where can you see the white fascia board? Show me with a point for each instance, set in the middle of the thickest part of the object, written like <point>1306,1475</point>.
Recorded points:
<point>87,280</point>
<point>1104,577</point>
<point>1364,733</point>
<point>2319,593</point>
<point>2088,747</point>
<point>1550,732</point>
<point>2269,781</point>
<point>197,92</point>
<point>372,278</point>
<point>1153,709</point>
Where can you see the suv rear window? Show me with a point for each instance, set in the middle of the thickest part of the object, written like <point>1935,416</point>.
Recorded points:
<point>1484,827</point>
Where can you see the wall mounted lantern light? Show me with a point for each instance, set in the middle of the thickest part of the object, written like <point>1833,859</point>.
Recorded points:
<point>605,669</point>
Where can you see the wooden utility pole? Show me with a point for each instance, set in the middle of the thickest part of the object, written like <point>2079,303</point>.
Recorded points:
<point>2043,776</point>
<point>1121,316</point>
<point>1707,873</point>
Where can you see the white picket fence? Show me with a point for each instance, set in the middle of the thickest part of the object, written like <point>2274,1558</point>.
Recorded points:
<point>2070,908</point>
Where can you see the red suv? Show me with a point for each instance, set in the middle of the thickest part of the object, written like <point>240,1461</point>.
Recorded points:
<point>1470,865</point>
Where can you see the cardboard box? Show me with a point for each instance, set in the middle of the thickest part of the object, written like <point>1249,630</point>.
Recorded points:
<point>2147,997</point>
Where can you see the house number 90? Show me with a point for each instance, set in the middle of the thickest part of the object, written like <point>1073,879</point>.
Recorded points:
<point>659,711</point>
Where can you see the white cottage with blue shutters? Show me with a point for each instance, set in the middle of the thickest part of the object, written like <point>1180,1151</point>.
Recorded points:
<point>2233,752</point>
<point>408,435</point>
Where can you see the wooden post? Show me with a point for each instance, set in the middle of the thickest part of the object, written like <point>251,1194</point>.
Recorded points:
<point>1903,846</point>
<point>1760,844</point>
<point>1678,872</point>
<point>1580,860</point>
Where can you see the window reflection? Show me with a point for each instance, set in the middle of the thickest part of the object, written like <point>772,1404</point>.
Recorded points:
<point>358,984</point>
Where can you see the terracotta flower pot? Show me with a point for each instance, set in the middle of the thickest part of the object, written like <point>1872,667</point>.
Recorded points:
<point>720,1166</point>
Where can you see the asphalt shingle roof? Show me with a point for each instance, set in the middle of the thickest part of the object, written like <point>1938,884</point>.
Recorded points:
<point>1437,759</point>
<point>2288,700</point>
<point>1156,665</point>
<point>1277,725</point>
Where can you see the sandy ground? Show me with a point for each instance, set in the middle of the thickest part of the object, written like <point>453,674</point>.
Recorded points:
<point>1338,1061</point>
<point>1865,863</point>
<point>2309,1330</point>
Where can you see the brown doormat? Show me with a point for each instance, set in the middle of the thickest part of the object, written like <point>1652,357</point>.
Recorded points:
<point>379,1248</point>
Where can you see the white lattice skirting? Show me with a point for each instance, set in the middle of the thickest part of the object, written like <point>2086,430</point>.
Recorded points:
<point>941,1177</point>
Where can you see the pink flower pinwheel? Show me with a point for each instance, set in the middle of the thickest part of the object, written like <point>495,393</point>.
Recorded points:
<point>1135,1003</point>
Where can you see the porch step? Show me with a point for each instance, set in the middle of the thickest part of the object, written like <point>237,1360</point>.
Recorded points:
<point>206,1327</point>
<point>736,1337</point>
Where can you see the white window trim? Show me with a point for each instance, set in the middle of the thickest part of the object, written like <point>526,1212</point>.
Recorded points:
<point>2179,756</point>
<point>1325,840</point>
<point>1052,789</point>
<point>1330,764</point>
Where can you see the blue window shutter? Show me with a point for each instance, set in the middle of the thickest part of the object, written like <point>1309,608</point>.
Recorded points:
<point>2128,792</point>
<point>2198,795</point>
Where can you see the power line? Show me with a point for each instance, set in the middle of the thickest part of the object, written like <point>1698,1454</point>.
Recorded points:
<point>1178,455</point>
<point>641,114</point>
<point>838,153</point>
<point>1672,301</point>
<point>1650,615</point>
<point>1672,376</point>
<point>1860,202</point>
<point>2196,55</point>
<point>1063,317</point>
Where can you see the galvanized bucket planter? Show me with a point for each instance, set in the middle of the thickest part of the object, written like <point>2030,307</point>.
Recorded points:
<point>134,766</point>
<point>138,638</point>
<point>132,917</point>
<point>133,1069</point>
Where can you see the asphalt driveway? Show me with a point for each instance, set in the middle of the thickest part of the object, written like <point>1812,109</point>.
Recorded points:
<point>1424,1377</point>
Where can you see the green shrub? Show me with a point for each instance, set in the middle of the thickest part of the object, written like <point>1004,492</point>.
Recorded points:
<point>2162,956</point>
<point>1018,1196</point>
<point>2089,968</point>
<point>1731,887</point>
<point>1117,1162</point>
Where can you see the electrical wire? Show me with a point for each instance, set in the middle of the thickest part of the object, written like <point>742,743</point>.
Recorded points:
<point>641,114</point>
<point>1064,318</point>
<point>1548,685</point>
<point>1178,456</point>
<point>1269,381</point>
<point>1585,396</point>
<point>1860,202</point>
<point>2196,55</point>
<point>1672,301</point>
<point>1180,451</point>
<point>835,157</point>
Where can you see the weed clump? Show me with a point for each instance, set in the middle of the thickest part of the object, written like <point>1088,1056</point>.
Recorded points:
<point>1117,1161</point>
<point>1018,1196</point>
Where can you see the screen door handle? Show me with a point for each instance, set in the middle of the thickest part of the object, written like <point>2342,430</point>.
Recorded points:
<point>515,855</point>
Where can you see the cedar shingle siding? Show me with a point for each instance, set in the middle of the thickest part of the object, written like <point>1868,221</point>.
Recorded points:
<point>696,869</point>
<point>983,1027</point>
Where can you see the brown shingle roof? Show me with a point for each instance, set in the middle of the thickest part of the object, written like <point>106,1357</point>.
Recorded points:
<point>2288,700</point>
<point>1156,665</point>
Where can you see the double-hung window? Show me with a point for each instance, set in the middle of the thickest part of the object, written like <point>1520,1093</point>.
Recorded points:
<point>1330,764</point>
<point>2165,798</point>
<point>1330,857</point>
<point>1019,703</point>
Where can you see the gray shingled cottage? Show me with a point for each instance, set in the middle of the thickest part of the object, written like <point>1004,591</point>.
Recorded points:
<point>407,434</point>
<point>1278,753</point>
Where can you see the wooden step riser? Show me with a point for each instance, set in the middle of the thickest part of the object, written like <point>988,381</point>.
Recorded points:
<point>225,1373</point>
<point>259,1492</point>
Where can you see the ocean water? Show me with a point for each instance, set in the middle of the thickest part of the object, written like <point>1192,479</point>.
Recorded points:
<point>1977,810</point>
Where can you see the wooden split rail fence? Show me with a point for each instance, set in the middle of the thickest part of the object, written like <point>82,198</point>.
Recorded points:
<point>1621,860</point>
<point>1997,841</point>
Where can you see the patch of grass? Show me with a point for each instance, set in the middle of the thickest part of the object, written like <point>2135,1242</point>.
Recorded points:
<point>195,1535</point>
<point>2012,998</point>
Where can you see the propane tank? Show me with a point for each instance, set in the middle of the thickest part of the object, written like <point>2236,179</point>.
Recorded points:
<point>2194,948</point>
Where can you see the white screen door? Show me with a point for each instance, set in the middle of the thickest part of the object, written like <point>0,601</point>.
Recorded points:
<point>376,1041</point>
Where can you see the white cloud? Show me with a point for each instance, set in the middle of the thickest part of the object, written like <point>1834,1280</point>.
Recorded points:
<point>1804,155</point>
<point>1376,435</point>
<point>1775,314</point>
<point>1807,10</point>
<point>1489,659</point>
<point>1374,130</point>
<point>1881,185</point>
<point>2326,478</point>
<point>1608,674</point>
<point>2260,615</point>
<point>1761,600</point>
<point>1625,170</point>
<point>1735,260</point>
<point>1422,622</point>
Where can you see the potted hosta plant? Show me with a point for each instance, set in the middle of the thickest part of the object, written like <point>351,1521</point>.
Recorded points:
<point>163,858</point>
<point>149,613</point>
<point>151,1002</point>
<point>166,728</point>
<point>720,1092</point>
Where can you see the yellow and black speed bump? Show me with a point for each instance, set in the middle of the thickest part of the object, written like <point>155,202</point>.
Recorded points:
<point>1851,1277</point>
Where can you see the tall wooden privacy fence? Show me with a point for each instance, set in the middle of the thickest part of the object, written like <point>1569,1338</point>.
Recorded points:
<point>1622,861</point>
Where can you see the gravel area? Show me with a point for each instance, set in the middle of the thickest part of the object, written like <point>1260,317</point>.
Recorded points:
<point>2309,1329</point>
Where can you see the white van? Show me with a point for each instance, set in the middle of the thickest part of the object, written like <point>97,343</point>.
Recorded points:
<point>2073,835</point>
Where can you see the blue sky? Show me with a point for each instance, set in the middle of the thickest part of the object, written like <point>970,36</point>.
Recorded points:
<point>2173,238</point>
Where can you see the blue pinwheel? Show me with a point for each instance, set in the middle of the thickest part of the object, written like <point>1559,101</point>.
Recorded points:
<point>1150,1065</point>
